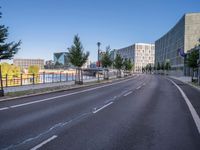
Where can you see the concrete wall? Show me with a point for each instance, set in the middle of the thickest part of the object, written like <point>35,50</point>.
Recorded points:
<point>192,30</point>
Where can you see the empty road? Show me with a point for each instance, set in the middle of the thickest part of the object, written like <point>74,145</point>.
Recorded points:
<point>144,112</point>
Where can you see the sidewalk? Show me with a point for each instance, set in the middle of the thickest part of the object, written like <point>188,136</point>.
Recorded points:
<point>43,86</point>
<point>187,80</point>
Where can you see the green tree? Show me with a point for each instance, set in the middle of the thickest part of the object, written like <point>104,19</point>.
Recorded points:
<point>150,68</point>
<point>118,64</point>
<point>158,66</point>
<point>162,67</point>
<point>34,69</point>
<point>128,66</point>
<point>167,66</point>
<point>106,61</point>
<point>78,58</point>
<point>192,61</point>
<point>7,50</point>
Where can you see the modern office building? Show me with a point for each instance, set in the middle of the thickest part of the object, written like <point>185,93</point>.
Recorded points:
<point>61,59</point>
<point>182,37</point>
<point>25,63</point>
<point>141,54</point>
<point>113,54</point>
<point>49,64</point>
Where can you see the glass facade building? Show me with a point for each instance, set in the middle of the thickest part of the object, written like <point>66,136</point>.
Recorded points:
<point>184,35</point>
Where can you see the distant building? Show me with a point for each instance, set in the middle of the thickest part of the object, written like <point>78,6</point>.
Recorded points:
<point>61,60</point>
<point>182,37</point>
<point>87,64</point>
<point>141,54</point>
<point>25,63</point>
<point>49,64</point>
<point>93,65</point>
<point>113,54</point>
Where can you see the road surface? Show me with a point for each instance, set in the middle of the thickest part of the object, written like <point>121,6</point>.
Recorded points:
<point>145,112</point>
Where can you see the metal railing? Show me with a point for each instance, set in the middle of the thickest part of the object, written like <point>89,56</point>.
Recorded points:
<point>41,78</point>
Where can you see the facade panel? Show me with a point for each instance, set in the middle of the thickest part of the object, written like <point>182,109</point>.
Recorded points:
<point>25,63</point>
<point>140,54</point>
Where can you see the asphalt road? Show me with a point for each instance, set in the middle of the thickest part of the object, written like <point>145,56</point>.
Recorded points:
<point>145,112</point>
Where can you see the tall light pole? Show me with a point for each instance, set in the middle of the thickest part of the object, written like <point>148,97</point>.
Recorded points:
<point>98,44</point>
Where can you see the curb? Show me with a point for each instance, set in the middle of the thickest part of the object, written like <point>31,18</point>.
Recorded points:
<point>197,88</point>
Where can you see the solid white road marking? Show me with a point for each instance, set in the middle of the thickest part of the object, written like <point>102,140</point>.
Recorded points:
<point>191,108</point>
<point>55,97</point>
<point>4,108</point>
<point>138,87</point>
<point>44,142</point>
<point>128,93</point>
<point>102,107</point>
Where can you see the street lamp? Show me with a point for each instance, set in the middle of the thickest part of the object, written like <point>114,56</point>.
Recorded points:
<point>98,44</point>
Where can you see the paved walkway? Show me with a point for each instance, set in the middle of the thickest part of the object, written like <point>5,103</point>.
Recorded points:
<point>41,86</point>
<point>186,79</point>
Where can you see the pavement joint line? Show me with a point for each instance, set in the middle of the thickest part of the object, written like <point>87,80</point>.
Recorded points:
<point>58,125</point>
<point>44,142</point>
<point>97,110</point>
<point>65,95</point>
<point>128,93</point>
<point>191,108</point>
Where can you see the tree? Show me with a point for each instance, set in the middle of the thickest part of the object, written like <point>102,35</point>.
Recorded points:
<point>34,69</point>
<point>78,58</point>
<point>118,64</point>
<point>128,66</point>
<point>167,66</point>
<point>16,71</point>
<point>7,50</point>
<point>158,66</point>
<point>106,61</point>
<point>162,67</point>
<point>192,61</point>
<point>150,68</point>
<point>10,70</point>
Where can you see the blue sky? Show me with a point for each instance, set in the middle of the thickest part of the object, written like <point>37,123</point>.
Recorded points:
<point>48,26</point>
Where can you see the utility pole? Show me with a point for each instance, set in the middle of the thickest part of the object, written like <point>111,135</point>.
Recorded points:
<point>98,44</point>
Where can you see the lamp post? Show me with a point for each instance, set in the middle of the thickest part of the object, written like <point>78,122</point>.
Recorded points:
<point>98,44</point>
<point>198,62</point>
